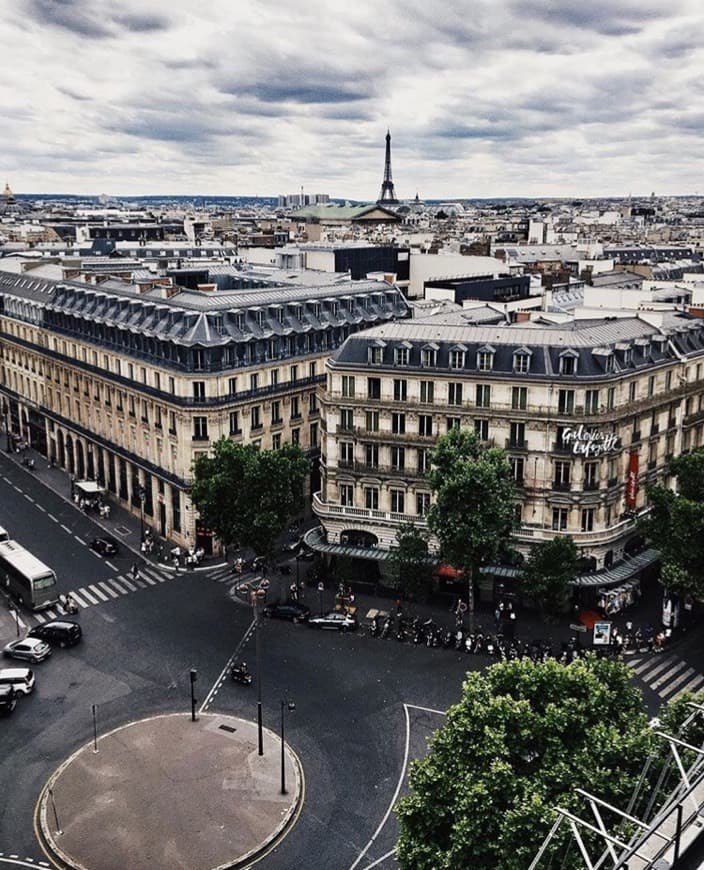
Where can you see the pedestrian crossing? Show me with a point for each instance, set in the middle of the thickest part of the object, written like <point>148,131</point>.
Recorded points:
<point>666,674</point>
<point>101,591</point>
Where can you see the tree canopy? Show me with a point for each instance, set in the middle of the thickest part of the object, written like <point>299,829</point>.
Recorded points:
<point>675,525</point>
<point>548,571</point>
<point>411,558</point>
<point>246,495</point>
<point>475,494</point>
<point>521,738</point>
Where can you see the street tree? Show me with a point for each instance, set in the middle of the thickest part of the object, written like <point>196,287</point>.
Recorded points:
<point>520,739</point>
<point>473,511</point>
<point>411,558</point>
<point>675,525</point>
<point>548,571</point>
<point>248,496</point>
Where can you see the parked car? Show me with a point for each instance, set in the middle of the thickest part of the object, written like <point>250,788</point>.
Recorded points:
<point>335,619</point>
<point>290,610</point>
<point>31,649</point>
<point>21,680</point>
<point>59,632</point>
<point>105,546</point>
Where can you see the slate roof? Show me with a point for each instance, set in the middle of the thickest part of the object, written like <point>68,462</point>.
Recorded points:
<point>594,343</point>
<point>197,317</point>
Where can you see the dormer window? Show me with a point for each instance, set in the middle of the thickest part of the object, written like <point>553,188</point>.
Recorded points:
<point>259,316</point>
<point>521,361</point>
<point>402,354</point>
<point>429,356</point>
<point>376,352</point>
<point>568,362</point>
<point>457,357</point>
<point>485,358</point>
<point>239,320</point>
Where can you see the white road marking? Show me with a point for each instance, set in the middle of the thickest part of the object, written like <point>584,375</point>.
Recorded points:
<point>28,497</point>
<point>101,595</point>
<point>113,581</point>
<point>80,540</point>
<point>66,529</point>
<point>223,673</point>
<point>401,778</point>
<point>52,517</point>
<point>16,862</point>
<point>14,486</point>
<point>379,860</point>
<point>111,592</point>
<point>77,598</point>
<point>681,678</point>
<point>145,576</point>
<point>84,593</point>
<point>128,583</point>
<point>42,509</point>
<point>109,564</point>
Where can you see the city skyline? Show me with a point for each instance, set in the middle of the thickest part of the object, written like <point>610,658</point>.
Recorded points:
<point>492,100</point>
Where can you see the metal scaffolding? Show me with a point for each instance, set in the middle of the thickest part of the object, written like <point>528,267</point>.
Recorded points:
<point>657,842</point>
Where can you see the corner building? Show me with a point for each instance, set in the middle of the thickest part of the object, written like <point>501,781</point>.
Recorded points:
<point>128,385</point>
<point>588,413</point>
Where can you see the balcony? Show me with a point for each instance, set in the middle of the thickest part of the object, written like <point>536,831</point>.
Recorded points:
<point>603,537</point>
<point>590,485</point>
<point>561,486</point>
<point>613,481</point>
<point>559,447</point>
<point>344,513</point>
<point>513,444</point>
<point>654,429</point>
<point>652,463</point>
<point>200,437</point>
<point>635,436</point>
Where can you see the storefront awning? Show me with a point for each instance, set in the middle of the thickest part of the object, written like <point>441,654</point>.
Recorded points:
<point>619,573</point>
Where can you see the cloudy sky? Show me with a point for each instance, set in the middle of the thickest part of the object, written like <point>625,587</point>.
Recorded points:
<point>483,97</point>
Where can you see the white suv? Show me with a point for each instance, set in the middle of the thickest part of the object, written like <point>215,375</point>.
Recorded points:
<point>21,679</point>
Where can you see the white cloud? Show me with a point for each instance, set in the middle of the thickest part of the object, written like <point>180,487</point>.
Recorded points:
<point>482,98</point>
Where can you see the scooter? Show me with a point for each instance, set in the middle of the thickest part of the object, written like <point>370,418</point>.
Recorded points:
<point>241,675</point>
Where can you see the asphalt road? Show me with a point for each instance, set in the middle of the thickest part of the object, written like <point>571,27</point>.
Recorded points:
<point>364,707</point>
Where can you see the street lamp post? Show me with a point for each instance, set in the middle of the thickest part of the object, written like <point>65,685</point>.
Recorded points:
<point>321,588</point>
<point>256,594</point>
<point>194,677</point>
<point>291,707</point>
<point>6,409</point>
<point>141,492</point>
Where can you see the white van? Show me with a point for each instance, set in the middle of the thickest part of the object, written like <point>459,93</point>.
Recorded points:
<point>4,534</point>
<point>21,679</point>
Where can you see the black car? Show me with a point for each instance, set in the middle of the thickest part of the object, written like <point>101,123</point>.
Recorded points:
<point>8,699</point>
<point>290,610</point>
<point>104,546</point>
<point>58,632</point>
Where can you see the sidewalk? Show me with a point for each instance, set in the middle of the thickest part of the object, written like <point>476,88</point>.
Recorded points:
<point>121,525</point>
<point>166,793</point>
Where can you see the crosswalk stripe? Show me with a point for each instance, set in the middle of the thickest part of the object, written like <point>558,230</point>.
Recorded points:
<point>653,666</point>
<point>106,588</point>
<point>158,578</point>
<point>140,583</point>
<point>40,617</point>
<point>694,685</point>
<point>144,576</point>
<point>77,598</point>
<point>101,595</point>
<point>116,584</point>
<point>52,614</point>
<point>84,593</point>
<point>667,675</point>
<point>128,583</point>
<point>671,686</point>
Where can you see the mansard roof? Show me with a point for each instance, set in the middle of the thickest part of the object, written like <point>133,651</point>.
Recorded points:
<point>678,337</point>
<point>198,317</point>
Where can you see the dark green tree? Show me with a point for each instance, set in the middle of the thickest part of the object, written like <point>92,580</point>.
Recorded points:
<point>675,525</point>
<point>473,511</point>
<point>515,746</point>
<point>247,496</point>
<point>410,556</point>
<point>548,571</point>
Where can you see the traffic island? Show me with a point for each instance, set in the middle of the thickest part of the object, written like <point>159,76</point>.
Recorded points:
<point>166,793</point>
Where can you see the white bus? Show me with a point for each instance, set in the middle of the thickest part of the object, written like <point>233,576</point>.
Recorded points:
<point>29,581</point>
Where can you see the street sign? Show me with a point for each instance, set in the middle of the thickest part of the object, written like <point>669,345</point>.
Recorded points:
<point>575,627</point>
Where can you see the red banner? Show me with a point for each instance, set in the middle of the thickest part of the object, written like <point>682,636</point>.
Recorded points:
<point>632,480</point>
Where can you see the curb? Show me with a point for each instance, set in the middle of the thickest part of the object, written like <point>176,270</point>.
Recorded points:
<point>47,839</point>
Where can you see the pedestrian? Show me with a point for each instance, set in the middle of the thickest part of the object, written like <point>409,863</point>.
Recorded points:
<point>497,617</point>
<point>135,571</point>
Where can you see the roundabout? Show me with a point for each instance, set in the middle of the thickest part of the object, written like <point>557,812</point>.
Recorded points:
<point>166,792</point>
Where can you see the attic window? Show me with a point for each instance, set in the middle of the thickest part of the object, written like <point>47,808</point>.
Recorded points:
<point>485,359</point>
<point>401,355</point>
<point>429,356</point>
<point>457,356</point>
<point>376,355</point>
<point>568,365</point>
<point>521,362</point>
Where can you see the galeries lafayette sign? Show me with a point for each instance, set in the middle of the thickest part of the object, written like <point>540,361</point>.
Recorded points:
<point>590,442</point>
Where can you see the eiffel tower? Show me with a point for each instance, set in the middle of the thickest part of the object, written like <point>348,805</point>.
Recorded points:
<point>388,194</point>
